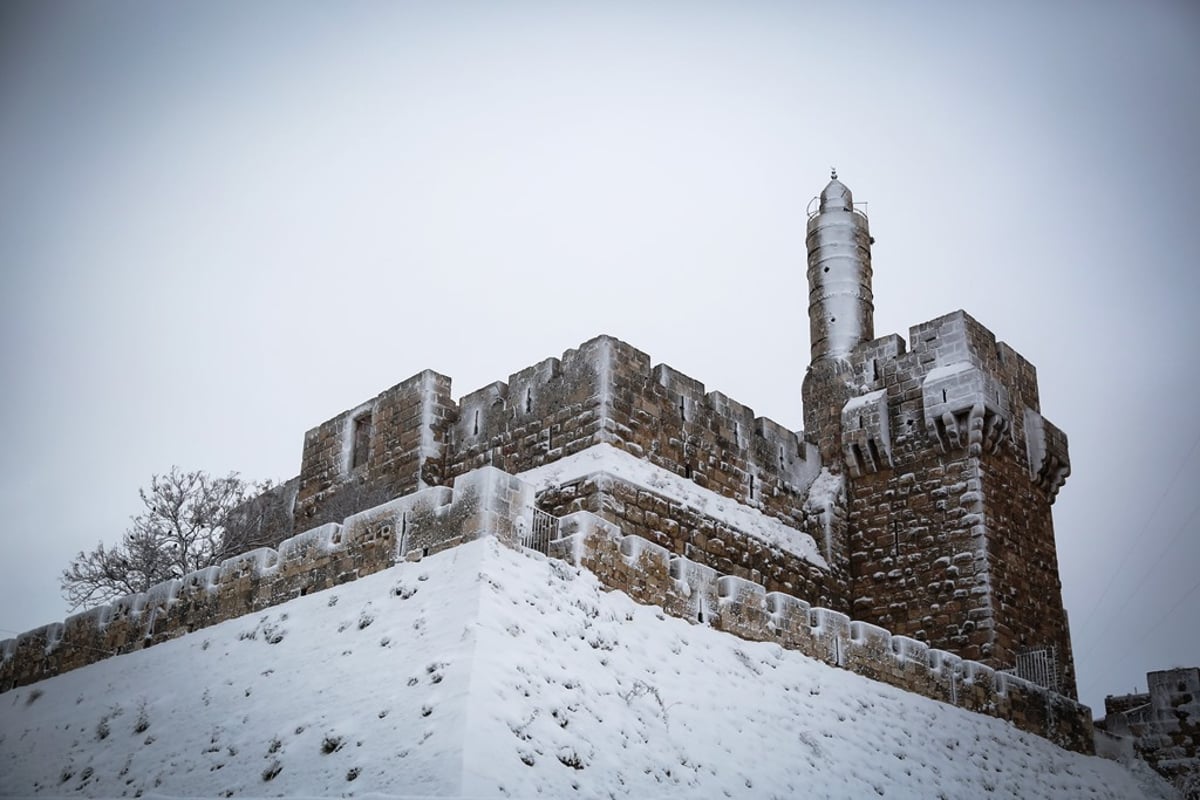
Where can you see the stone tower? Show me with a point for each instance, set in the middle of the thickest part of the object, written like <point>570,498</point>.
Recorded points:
<point>841,311</point>
<point>948,468</point>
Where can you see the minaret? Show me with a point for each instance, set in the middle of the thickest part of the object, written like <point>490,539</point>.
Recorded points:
<point>841,314</point>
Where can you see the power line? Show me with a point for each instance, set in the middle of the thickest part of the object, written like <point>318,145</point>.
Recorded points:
<point>1149,571</point>
<point>1145,528</point>
<point>1146,635</point>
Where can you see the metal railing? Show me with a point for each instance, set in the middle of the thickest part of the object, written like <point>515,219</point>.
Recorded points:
<point>1038,666</point>
<point>543,530</point>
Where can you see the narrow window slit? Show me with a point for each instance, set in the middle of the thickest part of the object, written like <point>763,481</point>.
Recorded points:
<point>361,444</point>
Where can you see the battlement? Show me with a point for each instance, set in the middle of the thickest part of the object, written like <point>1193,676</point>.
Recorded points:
<point>605,391</point>
<point>489,502</point>
<point>651,575</point>
<point>950,471</point>
<point>486,502</point>
<point>918,499</point>
<point>974,392</point>
<point>1161,725</point>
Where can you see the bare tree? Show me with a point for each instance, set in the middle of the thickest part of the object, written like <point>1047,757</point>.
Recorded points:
<point>180,530</point>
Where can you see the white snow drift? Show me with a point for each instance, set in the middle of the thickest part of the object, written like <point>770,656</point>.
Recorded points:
<point>483,672</point>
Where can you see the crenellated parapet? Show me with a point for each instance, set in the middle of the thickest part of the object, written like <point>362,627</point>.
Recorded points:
<point>486,502</point>
<point>948,471</point>
<point>866,433</point>
<point>604,391</point>
<point>388,446</point>
<point>651,575</point>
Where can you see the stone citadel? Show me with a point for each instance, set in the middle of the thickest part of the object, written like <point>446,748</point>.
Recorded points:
<point>917,501</point>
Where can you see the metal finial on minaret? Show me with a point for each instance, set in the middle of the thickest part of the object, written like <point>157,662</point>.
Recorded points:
<point>833,173</point>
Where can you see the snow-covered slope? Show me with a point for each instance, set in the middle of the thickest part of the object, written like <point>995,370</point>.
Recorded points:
<point>483,672</point>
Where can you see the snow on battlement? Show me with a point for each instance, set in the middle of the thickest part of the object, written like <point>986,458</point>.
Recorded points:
<point>486,502</point>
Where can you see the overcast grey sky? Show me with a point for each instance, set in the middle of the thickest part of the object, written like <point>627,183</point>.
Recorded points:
<point>223,223</point>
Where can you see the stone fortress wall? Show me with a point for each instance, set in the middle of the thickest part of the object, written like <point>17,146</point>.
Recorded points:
<point>489,502</point>
<point>951,472</point>
<point>604,391</point>
<point>486,502</point>
<point>925,473</point>
<point>649,574</point>
<point>1162,725</point>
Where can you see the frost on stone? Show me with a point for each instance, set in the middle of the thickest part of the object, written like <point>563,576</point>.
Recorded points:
<point>595,696</point>
<point>826,494</point>
<point>604,459</point>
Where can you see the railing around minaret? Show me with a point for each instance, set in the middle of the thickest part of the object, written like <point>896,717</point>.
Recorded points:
<point>543,530</point>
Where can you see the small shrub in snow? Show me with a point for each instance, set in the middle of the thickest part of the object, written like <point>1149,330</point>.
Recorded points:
<point>365,619</point>
<point>270,772</point>
<point>33,696</point>
<point>332,743</point>
<point>332,601</point>
<point>274,746</point>
<point>143,719</point>
<point>352,773</point>
<point>570,758</point>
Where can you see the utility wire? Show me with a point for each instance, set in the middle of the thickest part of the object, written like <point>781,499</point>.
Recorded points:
<point>1146,635</point>
<point>1137,539</point>
<point>1186,526</point>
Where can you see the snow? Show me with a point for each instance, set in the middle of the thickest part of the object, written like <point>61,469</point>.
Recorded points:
<point>864,402</point>
<point>824,494</point>
<point>486,672</point>
<point>604,459</point>
<point>604,379</point>
<point>940,373</point>
<point>430,449</point>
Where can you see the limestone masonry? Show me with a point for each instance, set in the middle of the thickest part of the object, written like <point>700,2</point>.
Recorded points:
<point>1161,726</point>
<point>917,501</point>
